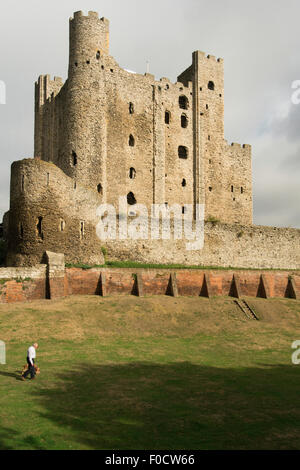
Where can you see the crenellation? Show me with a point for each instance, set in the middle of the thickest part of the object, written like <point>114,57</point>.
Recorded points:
<point>77,14</point>
<point>46,87</point>
<point>94,14</point>
<point>165,79</point>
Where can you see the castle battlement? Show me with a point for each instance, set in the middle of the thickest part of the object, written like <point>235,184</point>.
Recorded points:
<point>166,85</point>
<point>236,145</point>
<point>46,89</point>
<point>47,77</point>
<point>91,14</point>
<point>210,57</point>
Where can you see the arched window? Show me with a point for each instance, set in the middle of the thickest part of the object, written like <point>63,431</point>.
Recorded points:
<point>211,85</point>
<point>184,121</point>
<point>131,141</point>
<point>182,152</point>
<point>100,189</point>
<point>183,102</point>
<point>98,55</point>
<point>132,173</point>
<point>131,199</point>
<point>183,183</point>
<point>167,117</point>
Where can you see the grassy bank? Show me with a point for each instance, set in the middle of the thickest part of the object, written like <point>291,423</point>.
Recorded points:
<point>153,373</point>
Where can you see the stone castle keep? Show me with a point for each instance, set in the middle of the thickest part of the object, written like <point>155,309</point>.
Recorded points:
<point>107,132</point>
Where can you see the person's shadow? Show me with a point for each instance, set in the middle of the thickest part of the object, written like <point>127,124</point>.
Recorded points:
<point>16,374</point>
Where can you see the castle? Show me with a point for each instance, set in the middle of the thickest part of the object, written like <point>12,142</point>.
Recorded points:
<point>107,132</point>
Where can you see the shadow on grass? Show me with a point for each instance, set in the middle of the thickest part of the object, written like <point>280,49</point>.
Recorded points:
<point>16,375</point>
<point>28,442</point>
<point>176,406</point>
<point>7,433</point>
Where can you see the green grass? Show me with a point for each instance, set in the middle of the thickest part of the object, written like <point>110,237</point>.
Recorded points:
<point>136,264</point>
<point>153,373</point>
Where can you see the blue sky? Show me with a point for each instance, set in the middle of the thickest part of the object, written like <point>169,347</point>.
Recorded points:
<point>259,42</point>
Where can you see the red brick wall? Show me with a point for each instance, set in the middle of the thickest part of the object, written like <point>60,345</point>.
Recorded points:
<point>81,281</point>
<point>119,281</point>
<point>155,283</point>
<point>21,291</point>
<point>189,282</point>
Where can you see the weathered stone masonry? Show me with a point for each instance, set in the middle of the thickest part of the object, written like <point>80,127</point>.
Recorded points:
<point>106,133</point>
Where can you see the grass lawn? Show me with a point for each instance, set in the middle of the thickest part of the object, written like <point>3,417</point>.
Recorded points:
<point>151,373</point>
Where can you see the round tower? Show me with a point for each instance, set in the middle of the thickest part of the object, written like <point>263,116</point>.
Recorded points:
<point>89,40</point>
<point>84,136</point>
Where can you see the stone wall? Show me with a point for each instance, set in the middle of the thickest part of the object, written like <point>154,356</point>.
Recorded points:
<point>47,212</point>
<point>217,166</point>
<point>226,245</point>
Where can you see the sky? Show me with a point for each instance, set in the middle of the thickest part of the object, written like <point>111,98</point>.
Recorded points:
<point>258,40</point>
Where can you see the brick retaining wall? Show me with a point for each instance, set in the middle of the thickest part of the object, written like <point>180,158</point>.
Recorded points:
<point>40,282</point>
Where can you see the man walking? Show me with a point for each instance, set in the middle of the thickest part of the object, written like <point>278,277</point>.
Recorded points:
<point>31,354</point>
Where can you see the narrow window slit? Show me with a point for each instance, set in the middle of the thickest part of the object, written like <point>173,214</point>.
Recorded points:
<point>39,227</point>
